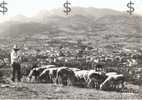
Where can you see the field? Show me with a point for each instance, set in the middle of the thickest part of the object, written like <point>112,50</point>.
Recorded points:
<point>105,37</point>
<point>50,91</point>
<point>28,90</point>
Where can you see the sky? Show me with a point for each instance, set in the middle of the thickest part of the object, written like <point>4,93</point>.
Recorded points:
<point>31,7</point>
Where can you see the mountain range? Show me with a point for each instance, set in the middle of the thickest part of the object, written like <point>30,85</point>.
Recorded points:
<point>98,27</point>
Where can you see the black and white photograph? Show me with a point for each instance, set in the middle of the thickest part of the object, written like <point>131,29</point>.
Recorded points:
<point>71,49</point>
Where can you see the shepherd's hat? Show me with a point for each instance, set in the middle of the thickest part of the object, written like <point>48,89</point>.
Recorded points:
<point>15,47</point>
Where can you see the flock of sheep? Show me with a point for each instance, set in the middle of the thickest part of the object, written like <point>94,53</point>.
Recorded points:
<point>77,77</point>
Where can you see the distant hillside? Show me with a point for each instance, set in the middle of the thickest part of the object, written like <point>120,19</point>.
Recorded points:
<point>100,27</point>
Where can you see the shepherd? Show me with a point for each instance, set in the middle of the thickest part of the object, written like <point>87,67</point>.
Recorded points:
<point>15,63</point>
